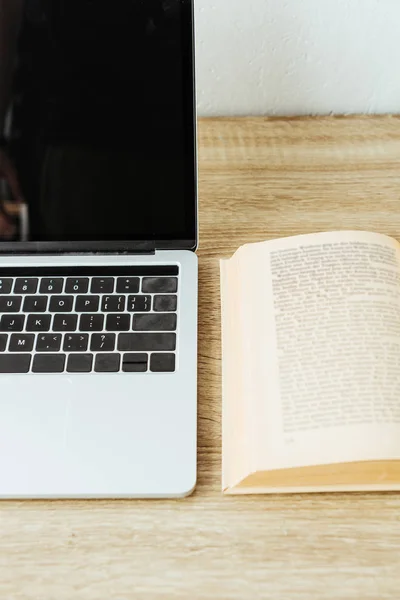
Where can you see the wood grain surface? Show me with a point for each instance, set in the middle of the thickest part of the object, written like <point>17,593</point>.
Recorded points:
<point>259,179</point>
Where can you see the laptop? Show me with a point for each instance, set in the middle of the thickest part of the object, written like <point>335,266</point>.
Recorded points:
<point>98,232</point>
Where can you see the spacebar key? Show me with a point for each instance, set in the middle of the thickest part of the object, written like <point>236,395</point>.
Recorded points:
<point>146,342</point>
<point>15,363</point>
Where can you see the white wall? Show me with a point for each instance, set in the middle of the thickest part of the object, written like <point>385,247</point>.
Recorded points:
<point>285,57</point>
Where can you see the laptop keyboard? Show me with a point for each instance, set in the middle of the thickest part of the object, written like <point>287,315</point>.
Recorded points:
<point>82,320</point>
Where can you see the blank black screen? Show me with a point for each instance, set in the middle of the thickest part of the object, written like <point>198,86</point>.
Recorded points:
<point>96,111</point>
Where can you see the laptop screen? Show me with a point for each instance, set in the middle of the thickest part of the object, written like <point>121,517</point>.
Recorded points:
<point>96,121</point>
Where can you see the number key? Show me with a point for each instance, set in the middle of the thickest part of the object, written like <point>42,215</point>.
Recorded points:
<point>77,286</point>
<point>5,285</point>
<point>51,286</point>
<point>139,303</point>
<point>26,286</point>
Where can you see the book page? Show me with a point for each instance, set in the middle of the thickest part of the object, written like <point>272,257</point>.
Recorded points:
<point>235,427</point>
<point>328,351</point>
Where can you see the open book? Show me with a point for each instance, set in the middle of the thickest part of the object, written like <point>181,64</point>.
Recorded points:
<point>311,364</point>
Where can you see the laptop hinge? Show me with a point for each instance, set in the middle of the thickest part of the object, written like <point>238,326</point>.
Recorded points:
<point>78,248</point>
<point>127,249</point>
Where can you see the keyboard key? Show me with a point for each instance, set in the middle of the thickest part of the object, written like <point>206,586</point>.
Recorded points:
<point>3,341</point>
<point>21,342</point>
<point>76,342</point>
<point>162,363</point>
<point>102,342</point>
<point>118,322</point>
<point>107,363</point>
<point>79,363</point>
<point>51,286</point>
<point>154,322</point>
<point>128,285</point>
<point>49,342</point>
<point>91,323</point>
<point>77,286</point>
<point>15,363</point>
<point>65,322</point>
<point>134,363</point>
<point>144,342</point>
<point>139,303</point>
<point>61,304</point>
<point>113,304</point>
<point>12,322</point>
<point>159,285</point>
<point>5,285</point>
<point>38,323</point>
<point>87,303</point>
<point>10,304</point>
<point>165,303</point>
<point>48,363</point>
<point>102,285</point>
<point>26,286</point>
<point>35,304</point>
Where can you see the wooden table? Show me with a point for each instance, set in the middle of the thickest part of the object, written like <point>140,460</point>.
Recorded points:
<point>259,179</point>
